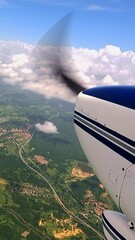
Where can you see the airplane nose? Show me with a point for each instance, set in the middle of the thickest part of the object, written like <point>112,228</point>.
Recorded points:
<point>121,95</point>
<point>104,124</point>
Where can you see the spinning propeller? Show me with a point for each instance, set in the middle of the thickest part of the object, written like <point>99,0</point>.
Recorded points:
<point>104,123</point>
<point>51,52</point>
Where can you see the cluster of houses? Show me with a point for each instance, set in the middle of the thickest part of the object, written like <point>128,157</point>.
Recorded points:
<point>99,207</point>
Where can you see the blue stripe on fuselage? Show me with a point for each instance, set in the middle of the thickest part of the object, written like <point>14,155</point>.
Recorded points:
<point>114,133</point>
<point>112,145</point>
<point>113,230</point>
<point>108,143</point>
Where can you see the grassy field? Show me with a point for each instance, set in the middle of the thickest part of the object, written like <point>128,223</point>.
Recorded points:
<point>25,198</point>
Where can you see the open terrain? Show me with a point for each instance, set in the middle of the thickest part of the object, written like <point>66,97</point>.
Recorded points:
<point>47,188</point>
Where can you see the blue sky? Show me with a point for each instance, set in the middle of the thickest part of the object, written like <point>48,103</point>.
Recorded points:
<point>95,23</point>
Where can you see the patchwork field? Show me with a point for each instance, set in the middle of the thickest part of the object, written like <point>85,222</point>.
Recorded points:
<point>47,188</point>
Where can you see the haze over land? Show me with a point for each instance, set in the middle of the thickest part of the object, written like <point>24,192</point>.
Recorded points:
<point>47,188</point>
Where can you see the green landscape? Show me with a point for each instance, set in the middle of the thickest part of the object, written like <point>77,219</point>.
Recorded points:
<point>47,187</point>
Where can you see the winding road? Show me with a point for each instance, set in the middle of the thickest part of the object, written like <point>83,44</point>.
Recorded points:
<point>24,223</point>
<point>57,198</point>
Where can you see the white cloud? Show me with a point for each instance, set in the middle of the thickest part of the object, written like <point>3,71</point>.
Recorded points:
<point>19,59</point>
<point>100,8</point>
<point>90,67</point>
<point>110,50</point>
<point>108,80</point>
<point>47,127</point>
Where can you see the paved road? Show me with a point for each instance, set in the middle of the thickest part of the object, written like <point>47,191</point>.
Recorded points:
<point>54,192</point>
<point>24,223</point>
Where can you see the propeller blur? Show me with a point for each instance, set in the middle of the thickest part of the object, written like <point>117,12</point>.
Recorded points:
<point>104,120</point>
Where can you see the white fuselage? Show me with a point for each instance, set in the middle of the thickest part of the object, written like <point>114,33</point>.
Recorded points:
<point>106,133</point>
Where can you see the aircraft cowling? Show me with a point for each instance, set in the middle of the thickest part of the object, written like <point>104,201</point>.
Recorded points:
<point>104,124</point>
<point>117,226</point>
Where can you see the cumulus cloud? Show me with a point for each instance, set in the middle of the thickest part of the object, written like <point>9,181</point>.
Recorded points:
<point>47,127</point>
<point>34,71</point>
